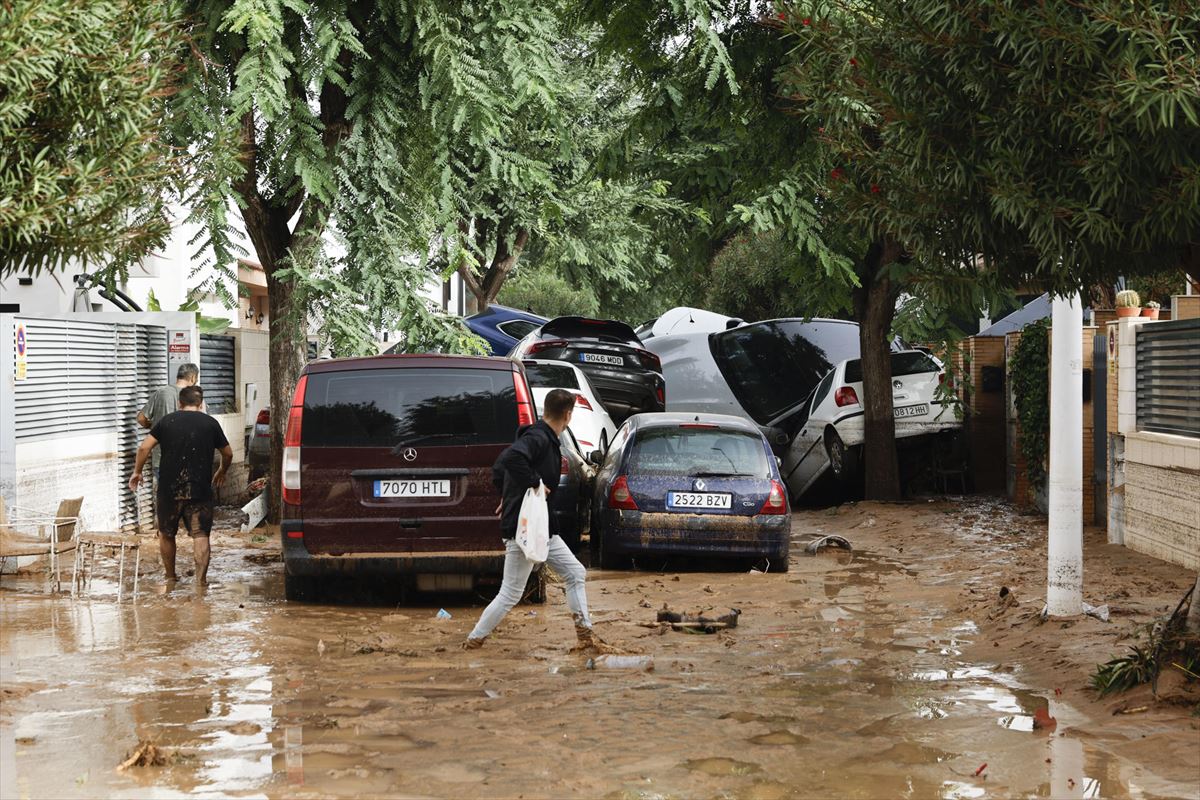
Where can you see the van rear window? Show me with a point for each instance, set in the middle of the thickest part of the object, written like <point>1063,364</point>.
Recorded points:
<point>390,407</point>
<point>550,376</point>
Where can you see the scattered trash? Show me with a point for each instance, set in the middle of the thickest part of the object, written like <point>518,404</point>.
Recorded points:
<point>1099,612</point>
<point>554,670</point>
<point>1008,599</point>
<point>982,767</point>
<point>640,663</point>
<point>831,540</point>
<point>442,614</point>
<point>492,694</point>
<point>146,754</point>
<point>695,623</point>
<point>320,647</point>
<point>1136,710</point>
<point>256,511</point>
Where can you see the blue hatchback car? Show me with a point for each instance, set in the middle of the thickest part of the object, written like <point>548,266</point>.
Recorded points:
<point>502,327</point>
<point>690,485</point>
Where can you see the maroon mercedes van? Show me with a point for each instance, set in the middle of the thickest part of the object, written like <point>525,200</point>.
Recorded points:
<point>387,468</point>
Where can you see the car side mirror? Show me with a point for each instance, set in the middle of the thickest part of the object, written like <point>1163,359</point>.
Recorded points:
<point>596,457</point>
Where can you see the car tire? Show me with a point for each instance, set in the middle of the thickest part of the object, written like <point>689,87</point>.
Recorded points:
<point>299,588</point>
<point>843,460</point>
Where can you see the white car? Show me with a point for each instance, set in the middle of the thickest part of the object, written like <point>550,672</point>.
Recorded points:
<point>831,435</point>
<point>591,424</point>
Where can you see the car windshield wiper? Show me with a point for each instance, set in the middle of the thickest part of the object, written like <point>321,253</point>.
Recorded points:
<point>428,436</point>
<point>706,473</point>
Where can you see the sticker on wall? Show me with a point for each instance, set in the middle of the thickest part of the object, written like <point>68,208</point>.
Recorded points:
<point>22,369</point>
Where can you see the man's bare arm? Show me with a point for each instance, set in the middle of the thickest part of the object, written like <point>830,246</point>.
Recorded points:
<point>144,421</point>
<point>226,460</point>
<point>143,452</point>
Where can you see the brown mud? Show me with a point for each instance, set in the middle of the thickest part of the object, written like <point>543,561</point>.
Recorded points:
<point>876,673</point>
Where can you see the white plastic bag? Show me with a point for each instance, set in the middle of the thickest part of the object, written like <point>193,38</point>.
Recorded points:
<point>533,525</point>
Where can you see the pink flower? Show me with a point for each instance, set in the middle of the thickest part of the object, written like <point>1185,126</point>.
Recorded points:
<point>806,22</point>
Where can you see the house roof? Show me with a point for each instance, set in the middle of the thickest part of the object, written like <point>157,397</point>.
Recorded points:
<point>1032,312</point>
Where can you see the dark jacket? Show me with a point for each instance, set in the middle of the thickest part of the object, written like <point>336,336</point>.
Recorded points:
<point>535,456</point>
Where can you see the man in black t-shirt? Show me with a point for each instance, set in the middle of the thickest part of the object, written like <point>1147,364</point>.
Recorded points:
<point>185,477</point>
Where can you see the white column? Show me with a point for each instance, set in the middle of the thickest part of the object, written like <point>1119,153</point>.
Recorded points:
<point>1064,583</point>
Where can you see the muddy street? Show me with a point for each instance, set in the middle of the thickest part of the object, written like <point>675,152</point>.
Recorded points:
<point>893,671</point>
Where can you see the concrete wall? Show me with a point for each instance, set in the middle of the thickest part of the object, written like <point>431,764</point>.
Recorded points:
<point>87,466</point>
<point>1162,497</point>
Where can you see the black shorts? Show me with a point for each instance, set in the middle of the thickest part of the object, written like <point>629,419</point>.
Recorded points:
<point>196,516</point>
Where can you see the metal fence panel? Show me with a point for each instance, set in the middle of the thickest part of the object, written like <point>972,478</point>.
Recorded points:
<point>1168,377</point>
<point>217,373</point>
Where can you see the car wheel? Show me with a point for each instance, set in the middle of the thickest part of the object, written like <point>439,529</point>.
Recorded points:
<point>843,461</point>
<point>299,588</point>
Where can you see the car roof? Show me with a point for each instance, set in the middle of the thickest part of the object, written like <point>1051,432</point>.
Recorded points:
<point>508,314</point>
<point>409,361</point>
<point>671,419</point>
<point>589,327</point>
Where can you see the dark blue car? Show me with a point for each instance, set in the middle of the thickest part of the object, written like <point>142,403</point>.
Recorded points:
<point>502,327</point>
<point>690,485</point>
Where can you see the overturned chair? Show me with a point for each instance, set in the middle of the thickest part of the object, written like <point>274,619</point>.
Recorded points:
<point>26,533</point>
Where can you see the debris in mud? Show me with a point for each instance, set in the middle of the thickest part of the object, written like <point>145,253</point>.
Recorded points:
<point>637,663</point>
<point>442,614</point>
<point>831,540</point>
<point>146,754</point>
<point>245,728</point>
<point>263,558</point>
<point>695,623</point>
<point>1043,721</point>
<point>1008,599</point>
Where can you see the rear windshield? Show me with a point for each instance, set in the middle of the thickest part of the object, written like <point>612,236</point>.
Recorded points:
<point>606,330</point>
<point>683,451</point>
<point>902,364</point>
<point>389,407</point>
<point>772,366</point>
<point>549,376</point>
<point>518,328</point>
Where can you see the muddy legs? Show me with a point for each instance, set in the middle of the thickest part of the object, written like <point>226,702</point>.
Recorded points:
<point>166,549</point>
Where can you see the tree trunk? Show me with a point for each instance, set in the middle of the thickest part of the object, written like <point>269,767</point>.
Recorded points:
<point>287,350</point>
<point>874,308</point>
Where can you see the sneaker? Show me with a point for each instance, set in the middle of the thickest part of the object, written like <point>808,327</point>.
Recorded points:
<point>472,644</point>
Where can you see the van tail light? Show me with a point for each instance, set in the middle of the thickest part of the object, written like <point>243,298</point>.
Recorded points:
<point>551,344</point>
<point>582,402</point>
<point>650,360</point>
<point>845,396</point>
<point>566,467</point>
<point>524,405</point>
<point>263,418</point>
<point>291,445</point>
<point>620,497</point>
<point>776,501</point>
<point>661,394</point>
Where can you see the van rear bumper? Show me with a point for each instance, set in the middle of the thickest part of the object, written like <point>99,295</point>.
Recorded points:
<point>298,561</point>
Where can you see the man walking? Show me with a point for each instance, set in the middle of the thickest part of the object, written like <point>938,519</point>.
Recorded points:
<point>188,438</point>
<point>535,457</point>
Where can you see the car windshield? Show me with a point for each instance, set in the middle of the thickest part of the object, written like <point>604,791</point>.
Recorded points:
<point>698,451</point>
<point>772,366</point>
<point>912,363</point>
<point>394,407</point>
<point>551,376</point>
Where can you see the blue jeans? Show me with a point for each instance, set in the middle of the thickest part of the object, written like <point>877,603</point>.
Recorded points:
<point>516,574</point>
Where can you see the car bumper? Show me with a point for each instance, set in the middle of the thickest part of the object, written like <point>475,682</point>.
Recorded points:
<point>850,429</point>
<point>633,532</point>
<point>297,560</point>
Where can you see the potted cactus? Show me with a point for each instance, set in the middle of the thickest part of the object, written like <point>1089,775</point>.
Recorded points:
<point>1151,309</point>
<point>1128,303</point>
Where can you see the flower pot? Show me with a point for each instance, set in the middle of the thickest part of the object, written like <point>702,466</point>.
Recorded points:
<point>1128,311</point>
<point>1152,313</point>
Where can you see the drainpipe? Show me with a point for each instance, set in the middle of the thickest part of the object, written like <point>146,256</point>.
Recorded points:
<point>1064,582</point>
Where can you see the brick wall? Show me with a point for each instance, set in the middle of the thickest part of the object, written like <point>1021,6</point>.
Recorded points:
<point>984,424</point>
